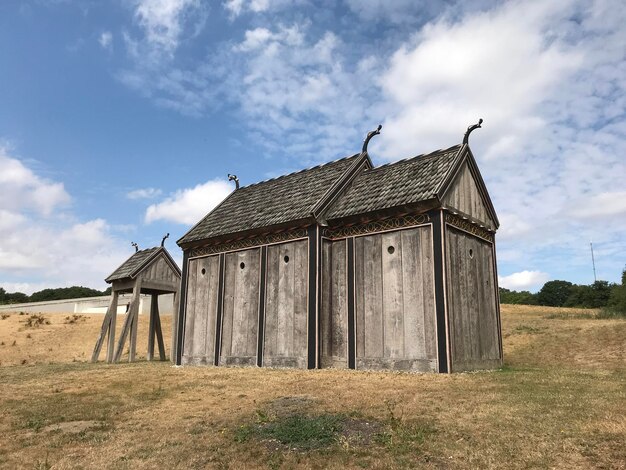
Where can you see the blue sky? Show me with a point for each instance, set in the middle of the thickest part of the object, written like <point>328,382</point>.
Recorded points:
<point>119,120</point>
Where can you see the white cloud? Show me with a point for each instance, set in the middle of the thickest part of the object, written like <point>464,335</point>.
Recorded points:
<point>455,72</point>
<point>523,280</point>
<point>188,206</point>
<point>237,7</point>
<point>21,189</point>
<point>144,193</point>
<point>41,242</point>
<point>601,205</point>
<point>547,77</point>
<point>162,21</point>
<point>106,40</point>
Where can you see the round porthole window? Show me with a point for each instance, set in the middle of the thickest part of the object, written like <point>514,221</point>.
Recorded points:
<point>242,265</point>
<point>391,250</point>
<point>471,253</point>
<point>203,271</point>
<point>286,258</point>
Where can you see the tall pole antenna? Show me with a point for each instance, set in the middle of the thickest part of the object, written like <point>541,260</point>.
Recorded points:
<point>593,262</point>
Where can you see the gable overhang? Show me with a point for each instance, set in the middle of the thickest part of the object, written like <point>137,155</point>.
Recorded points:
<point>321,207</point>
<point>465,155</point>
<point>153,256</point>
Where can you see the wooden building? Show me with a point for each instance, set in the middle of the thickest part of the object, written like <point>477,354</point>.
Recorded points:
<point>151,271</point>
<point>348,265</point>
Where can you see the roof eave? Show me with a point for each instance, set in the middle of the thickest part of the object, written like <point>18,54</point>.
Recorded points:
<point>245,234</point>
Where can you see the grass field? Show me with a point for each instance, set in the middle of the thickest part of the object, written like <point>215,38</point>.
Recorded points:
<point>559,402</point>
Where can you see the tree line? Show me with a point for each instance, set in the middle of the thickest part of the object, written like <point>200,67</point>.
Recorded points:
<point>600,294</point>
<point>59,293</point>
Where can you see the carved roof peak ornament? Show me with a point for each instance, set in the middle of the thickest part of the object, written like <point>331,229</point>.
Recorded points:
<point>136,246</point>
<point>470,129</point>
<point>235,179</point>
<point>369,137</point>
<point>167,235</point>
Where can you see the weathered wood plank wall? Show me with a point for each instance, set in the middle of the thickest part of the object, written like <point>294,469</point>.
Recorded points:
<point>334,308</point>
<point>160,270</point>
<point>242,270</point>
<point>472,309</point>
<point>394,301</point>
<point>199,344</point>
<point>465,196</point>
<point>286,308</point>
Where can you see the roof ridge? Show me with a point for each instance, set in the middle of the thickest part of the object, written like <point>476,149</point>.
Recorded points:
<point>423,155</point>
<point>300,171</point>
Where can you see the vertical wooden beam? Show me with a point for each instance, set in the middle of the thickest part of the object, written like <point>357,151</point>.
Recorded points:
<point>313,334</point>
<point>153,301</point>
<point>497,290</point>
<point>111,342</point>
<point>351,316</point>
<point>261,324</point>
<point>175,306</point>
<point>220,311</point>
<point>440,297</point>
<point>134,306</point>
<point>157,328</point>
<point>106,327</point>
<point>180,322</point>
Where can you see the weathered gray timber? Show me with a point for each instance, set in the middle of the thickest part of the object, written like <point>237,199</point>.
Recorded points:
<point>241,307</point>
<point>464,195</point>
<point>395,312</point>
<point>202,304</point>
<point>285,342</point>
<point>151,271</point>
<point>472,307</point>
<point>348,265</point>
<point>334,309</point>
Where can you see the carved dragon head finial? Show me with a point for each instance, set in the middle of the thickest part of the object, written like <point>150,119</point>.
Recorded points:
<point>369,137</point>
<point>470,129</point>
<point>167,235</point>
<point>235,179</point>
<point>136,246</point>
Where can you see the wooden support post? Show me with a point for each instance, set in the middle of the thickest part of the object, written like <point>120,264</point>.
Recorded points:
<point>158,331</point>
<point>174,327</point>
<point>108,324</point>
<point>134,307</point>
<point>111,342</point>
<point>153,302</point>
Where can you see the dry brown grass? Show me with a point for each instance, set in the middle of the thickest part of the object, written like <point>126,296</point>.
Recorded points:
<point>559,402</point>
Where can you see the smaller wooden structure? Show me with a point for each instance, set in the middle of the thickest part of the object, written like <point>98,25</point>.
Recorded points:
<point>153,272</point>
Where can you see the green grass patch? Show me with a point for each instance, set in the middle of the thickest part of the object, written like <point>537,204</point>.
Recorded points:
<point>298,431</point>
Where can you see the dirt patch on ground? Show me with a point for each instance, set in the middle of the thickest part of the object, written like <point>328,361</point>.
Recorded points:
<point>73,426</point>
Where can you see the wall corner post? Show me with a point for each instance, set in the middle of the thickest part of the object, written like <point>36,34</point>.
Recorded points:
<point>313,233</point>
<point>443,348</point>
<point>177,354</point>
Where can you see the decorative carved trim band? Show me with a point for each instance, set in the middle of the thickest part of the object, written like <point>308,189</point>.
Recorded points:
<point>469,226</point>
<point>378,226</point>
<point>249,243</point>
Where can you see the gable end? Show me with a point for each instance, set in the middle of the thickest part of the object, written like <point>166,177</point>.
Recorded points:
<point>464,191</point>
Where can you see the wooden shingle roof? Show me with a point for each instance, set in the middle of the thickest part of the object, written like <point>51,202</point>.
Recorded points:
<point>294,198</point>
<point>395,184</point>
<point>280,200</point>
<point>137,262</point>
